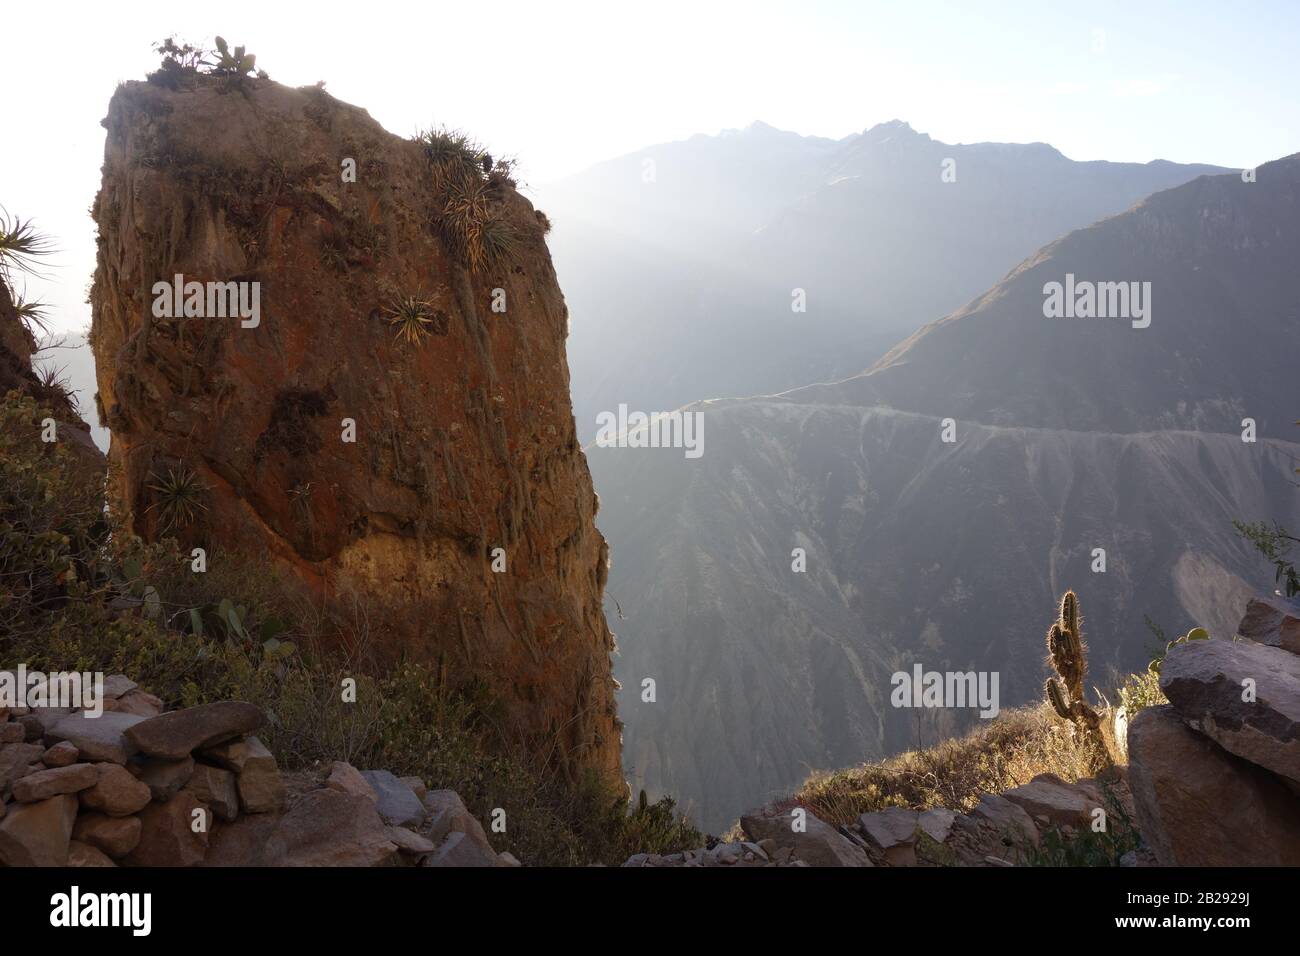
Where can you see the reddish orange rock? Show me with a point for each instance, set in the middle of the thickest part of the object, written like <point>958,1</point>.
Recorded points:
<point>464,439</point>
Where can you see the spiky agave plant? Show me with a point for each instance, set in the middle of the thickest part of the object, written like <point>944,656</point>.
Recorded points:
<point>411,315</point>
<point>53,381</point>
<point>179,497</point>
<point>497,242</point>
<point>452,154</point>
<point>34,315</point>
<point>464,212</point>
<point>1067,653</point>
<point>20,245</point>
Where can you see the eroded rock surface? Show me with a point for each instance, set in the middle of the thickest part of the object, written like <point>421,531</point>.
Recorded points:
<point>464,439</point>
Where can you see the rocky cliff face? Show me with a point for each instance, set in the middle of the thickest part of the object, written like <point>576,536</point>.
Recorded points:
<point>350,459</point>
<point>17,349</point>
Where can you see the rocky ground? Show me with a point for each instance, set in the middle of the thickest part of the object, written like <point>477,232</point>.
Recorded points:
<point>139,787</point>
<point>1213,779</point>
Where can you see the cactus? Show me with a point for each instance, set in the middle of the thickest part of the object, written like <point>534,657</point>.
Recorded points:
<point>237,62</point>
<point>1068,655</point>
<point>1195,634</point>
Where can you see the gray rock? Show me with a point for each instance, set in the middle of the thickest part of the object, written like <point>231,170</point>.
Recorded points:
<point>321,828</point>
<point>936,823</point>
<point>1006,816</point>
<point>216,788</point>
<point>1198,805</point>
<point>892,831</point>
<point>819,844</point>
<point>1203,681</point>
<point>889,827</point>
<point>448,814</point>
<point>398,805</point>
<point>1050,799</point>
<point>99,739</point>
<point>45,718</point>
<point>410,843</point>
<point>997,828</point>
<point>115,685</point>
<point>460,849</point>
<point>417,785</point>
<point>16,762</point>
<point>164,778</point>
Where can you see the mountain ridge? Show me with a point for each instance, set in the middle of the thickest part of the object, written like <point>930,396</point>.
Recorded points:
<point>943,553</point>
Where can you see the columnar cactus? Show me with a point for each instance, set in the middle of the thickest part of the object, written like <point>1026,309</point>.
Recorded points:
<point>1067,654</point>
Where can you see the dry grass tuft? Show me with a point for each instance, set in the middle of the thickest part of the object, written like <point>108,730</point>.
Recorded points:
<point>1010,751</point>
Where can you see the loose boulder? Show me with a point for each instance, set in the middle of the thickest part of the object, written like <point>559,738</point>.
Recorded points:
<point>50,783</point>
<point>398,804</point>
<point>116,836</point>
<point>1244,696</point>
<point>168,835</point>
<point>116,791</point>
<point>38,834</point>
<point>1198,805</point>
<point>1274,621</point>
<point>813,841</point>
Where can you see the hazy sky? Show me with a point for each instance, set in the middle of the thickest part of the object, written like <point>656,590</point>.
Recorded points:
<point>563,85</point>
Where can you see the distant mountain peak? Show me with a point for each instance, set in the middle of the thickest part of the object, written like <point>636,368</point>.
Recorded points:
<point>895,130</point>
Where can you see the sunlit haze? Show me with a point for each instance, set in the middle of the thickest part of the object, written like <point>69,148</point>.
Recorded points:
<point>565,85</point>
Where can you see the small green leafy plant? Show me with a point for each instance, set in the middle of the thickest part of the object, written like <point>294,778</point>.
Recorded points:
<point>1275,545</point>
<point>1195,634</point>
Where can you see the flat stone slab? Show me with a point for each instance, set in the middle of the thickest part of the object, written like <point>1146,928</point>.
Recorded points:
<point>1048,797</point>
<point>891,827</point>
<point>1206,682</point>
<point>99,739</point>
<point>398,805</point>
<point>178,734</point>
<point>936,823</point>
<point>115,685</point>
<point>322,828</point>
<point>50,783</point>
<point>817,844</point>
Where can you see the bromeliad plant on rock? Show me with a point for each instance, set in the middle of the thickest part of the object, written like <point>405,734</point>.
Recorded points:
<point>412,316</point>
<point>469,189</point>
